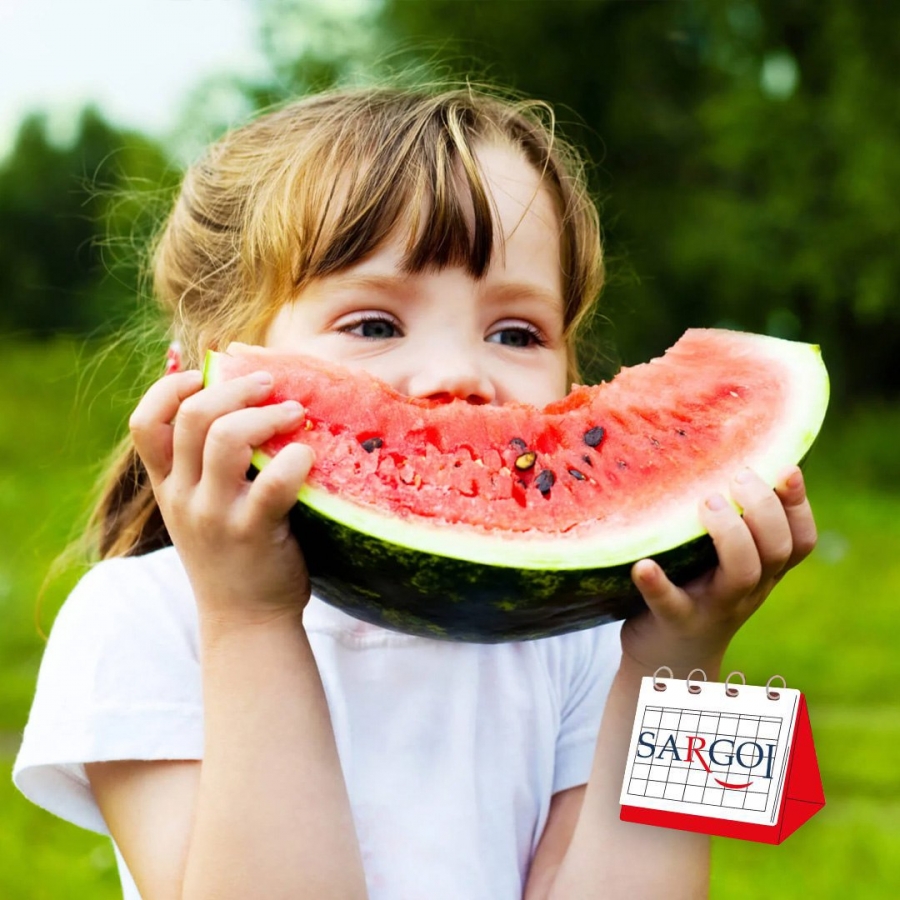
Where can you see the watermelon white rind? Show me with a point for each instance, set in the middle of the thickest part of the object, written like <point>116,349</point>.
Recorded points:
<point>463,581</point>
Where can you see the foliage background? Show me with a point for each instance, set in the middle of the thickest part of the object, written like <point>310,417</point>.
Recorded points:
<point>745,156</point>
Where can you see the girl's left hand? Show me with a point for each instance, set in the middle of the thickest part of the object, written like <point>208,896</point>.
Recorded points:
<point>691,626</point>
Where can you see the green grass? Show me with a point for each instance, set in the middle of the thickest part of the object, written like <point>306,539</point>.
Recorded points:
<point>70,406</point>
<point>45,858</point>
<point>830,629</point>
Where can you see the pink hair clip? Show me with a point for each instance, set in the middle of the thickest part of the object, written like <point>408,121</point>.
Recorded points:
<point>173,358</point>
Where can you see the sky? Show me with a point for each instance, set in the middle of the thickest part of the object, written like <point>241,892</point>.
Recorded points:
<point>137,60</point>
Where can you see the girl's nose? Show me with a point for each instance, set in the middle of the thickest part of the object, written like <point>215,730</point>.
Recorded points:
<point>447,378</point>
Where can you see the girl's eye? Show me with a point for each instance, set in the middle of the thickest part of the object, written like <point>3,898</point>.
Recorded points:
<point>522,336</point>
<point>371,327</point>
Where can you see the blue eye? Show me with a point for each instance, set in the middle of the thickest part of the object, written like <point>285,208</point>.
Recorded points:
<point>372,328</point>
<point>524,336</point>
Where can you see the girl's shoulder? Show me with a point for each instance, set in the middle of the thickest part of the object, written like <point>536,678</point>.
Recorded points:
<point>119,679</point>
<point>159,569</point>
<point>579,659</point>
<point>130,599</point>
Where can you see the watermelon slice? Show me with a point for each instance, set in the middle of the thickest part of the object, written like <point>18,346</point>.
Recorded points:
<point>491,523</point>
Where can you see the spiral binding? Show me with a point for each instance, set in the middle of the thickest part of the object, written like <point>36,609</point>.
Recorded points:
<point>729,690</point>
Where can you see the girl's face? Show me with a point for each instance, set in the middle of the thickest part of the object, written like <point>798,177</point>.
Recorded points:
<point>443,334</point>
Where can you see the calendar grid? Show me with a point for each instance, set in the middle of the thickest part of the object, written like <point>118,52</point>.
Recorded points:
<point>706,779</point>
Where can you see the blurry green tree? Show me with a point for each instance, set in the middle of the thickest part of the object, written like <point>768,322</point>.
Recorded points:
<point>73,221</point>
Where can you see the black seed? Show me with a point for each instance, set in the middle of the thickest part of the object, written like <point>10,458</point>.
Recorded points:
<point>654,441</point>
<point>621,464</point>
<point>372,444</point>
<point>680,431</point>
<point>544,481</point>
<point>576,474</point>
<point>518,444</point>
<point>594,437</point>
<point>587,459</point>
<point>526,461</point>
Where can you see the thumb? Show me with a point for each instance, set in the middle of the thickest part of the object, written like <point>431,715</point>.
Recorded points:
<point>274,491</point>
<point>665,599</point>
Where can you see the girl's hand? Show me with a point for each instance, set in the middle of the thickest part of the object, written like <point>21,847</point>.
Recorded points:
<point>232,534</point>
<point>691,626</point>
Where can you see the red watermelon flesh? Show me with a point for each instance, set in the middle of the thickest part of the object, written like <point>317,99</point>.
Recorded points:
<point>647,445</point>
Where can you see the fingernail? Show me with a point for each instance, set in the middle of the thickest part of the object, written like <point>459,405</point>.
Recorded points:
<point>292,407</point>
<point>262,377</point>
<point>743,476</point>
<point>716,502</point>
<point>795,480</point>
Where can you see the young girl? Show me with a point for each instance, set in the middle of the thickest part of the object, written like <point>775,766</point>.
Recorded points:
<point>238,738</point>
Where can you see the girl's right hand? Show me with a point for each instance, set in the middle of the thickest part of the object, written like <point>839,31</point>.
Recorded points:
<point>232,534</point>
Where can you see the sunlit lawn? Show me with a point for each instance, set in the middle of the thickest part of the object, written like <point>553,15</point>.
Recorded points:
<point>830,630</point>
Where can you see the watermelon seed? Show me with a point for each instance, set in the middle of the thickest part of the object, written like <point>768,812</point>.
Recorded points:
<point>526,460</point>
<point>372,444</point>
<point>587,459</point>
<point>654,441</point>
<point>518,444</point>
<point>681,431</point>
<point>576,474</point>
<point>621,464</point>
<point>594,437</point>
<point>544,481</point>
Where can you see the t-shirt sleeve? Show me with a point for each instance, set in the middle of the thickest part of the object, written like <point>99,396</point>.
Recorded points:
<point>119,679</point>
<point>591,662</point>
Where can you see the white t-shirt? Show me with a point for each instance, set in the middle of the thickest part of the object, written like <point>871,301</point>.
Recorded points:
<point>450,751</point>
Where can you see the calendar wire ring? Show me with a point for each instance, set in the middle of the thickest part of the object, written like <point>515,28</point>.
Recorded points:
<point>694,688</point>
<point>774,695</point>
<point>733,691</point>
<point>661,687</point>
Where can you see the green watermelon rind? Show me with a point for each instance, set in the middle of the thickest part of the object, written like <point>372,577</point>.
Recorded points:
<point>443,598</point>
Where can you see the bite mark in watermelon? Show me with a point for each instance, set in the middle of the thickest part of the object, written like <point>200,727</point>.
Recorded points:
<point>492,523</point>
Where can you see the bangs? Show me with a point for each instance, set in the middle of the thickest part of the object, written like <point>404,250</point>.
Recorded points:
<point>324,183</point>
<point>420,179</point>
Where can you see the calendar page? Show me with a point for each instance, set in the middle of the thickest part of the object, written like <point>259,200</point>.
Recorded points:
<point>708,754</point>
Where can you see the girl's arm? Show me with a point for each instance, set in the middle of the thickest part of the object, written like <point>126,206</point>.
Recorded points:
<point>684,629</point>
<point>611,859</point>
<point>273,817</point>
<point>266,813</point>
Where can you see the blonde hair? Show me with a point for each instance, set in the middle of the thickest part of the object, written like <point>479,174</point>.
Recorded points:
<point>311,188</point>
